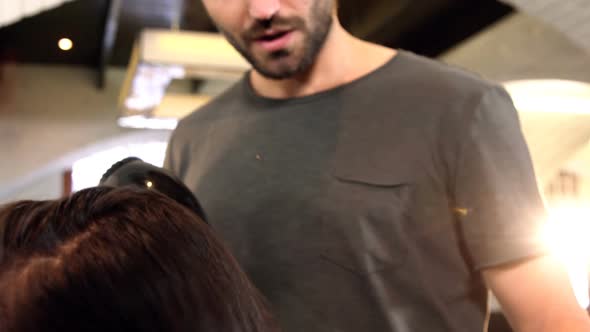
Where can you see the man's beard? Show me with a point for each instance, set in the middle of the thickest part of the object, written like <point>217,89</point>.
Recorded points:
<point>313,41</point>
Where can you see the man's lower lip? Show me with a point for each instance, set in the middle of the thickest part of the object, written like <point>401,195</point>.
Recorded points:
<point>275,44</point>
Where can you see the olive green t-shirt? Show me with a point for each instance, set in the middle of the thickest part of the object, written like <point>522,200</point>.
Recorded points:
<point>372,206</point>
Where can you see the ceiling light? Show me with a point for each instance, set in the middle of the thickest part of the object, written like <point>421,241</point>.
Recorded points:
<point>65,44</point>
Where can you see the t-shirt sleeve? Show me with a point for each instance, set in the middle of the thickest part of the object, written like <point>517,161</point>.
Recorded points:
<point>168,159</point>
<point>173,159</point>
<point>495,188</point>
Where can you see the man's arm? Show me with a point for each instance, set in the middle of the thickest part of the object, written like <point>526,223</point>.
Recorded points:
<point>536,296</point>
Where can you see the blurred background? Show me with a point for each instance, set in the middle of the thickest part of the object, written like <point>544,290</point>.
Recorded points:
<point>85,83</point>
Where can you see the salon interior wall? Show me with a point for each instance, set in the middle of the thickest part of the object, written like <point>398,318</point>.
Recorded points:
<point>49,115</point>
<point>49,186</point>
<point>52,116</point>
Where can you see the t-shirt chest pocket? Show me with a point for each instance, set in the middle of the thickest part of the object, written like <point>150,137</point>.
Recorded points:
<point>364,212</point>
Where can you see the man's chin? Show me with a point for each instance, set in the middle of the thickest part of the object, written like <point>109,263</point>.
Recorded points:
<point>278,71</point>
<point>276,74</point>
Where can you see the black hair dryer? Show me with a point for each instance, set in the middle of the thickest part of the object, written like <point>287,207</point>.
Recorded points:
<point>137,173</point>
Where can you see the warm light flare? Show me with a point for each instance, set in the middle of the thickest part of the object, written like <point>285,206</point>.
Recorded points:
<point>567,233</point>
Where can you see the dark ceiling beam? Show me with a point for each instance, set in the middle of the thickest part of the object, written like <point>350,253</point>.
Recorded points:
<point>111,24</point>
<point>408,16</point>
<point>378,14</point>
<point>448,27</point>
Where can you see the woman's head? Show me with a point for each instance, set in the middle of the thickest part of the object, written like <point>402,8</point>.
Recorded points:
<point>107,259</point>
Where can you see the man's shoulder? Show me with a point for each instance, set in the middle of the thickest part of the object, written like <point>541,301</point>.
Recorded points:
<point>441,79</point>
<point>421,93</point>
<point>430,90</point>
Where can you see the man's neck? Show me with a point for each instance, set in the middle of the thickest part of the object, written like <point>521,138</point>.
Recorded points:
<point>342,59</point>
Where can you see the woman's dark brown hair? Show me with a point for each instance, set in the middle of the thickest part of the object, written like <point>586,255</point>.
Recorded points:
<point>107,259</point>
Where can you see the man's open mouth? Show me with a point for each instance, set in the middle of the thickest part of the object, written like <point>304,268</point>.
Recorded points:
<point>272,36</point>
<point>273,41</point>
